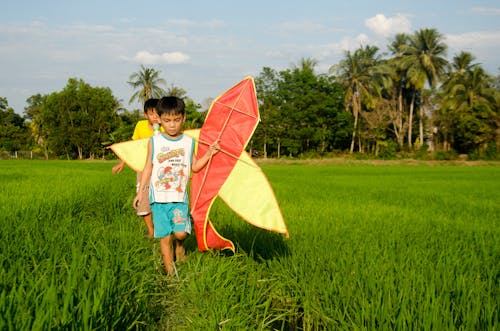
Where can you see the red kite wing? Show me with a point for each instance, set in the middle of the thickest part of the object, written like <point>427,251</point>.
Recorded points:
<point>231,120</point>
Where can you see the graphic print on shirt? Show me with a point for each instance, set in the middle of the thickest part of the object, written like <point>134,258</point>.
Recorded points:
<point>171,175</point>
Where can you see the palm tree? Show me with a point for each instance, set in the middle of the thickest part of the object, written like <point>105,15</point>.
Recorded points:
<point>399,81</point>
<point>444,118</point>
<point>461,65</point>
<point>475,101</point>
<point>306,65</point>
<point>147,82</point>
<point>423,59</point>
<point>463,62</point>
<point>176,91</point>
<point>358,74</point>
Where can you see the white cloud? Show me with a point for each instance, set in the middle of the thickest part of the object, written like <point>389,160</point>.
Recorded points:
<point>474,40</point>
<point>349,44</point>
<point>331,53</point>
<point>185,23</point>
<point>146,57</point>
<point>87,28</point>
<point>486,11</point>
<point>387,26</point>
<point>484,45</point>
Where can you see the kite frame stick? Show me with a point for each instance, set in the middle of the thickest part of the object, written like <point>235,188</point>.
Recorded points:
<point>227,153</point>
<point>232,108</point>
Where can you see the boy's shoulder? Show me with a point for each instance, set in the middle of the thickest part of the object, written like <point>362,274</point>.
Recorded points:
<point>142,130</point>
<point>142,123</point>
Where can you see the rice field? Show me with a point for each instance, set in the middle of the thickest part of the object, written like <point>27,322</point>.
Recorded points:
<point>385,247</point>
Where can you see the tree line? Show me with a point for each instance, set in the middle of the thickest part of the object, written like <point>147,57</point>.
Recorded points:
<point>410,101</point>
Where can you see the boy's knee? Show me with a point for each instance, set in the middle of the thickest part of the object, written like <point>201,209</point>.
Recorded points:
<point>181,235</point>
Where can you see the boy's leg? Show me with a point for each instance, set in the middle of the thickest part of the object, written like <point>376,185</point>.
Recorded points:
<point>144,210</point>
<point>148,219</point>
<point>182,229</point>
<point>180,253</point>
<point>167,253</point>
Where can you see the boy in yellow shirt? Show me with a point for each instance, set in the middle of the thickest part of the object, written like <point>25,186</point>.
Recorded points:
<point>144,129</point>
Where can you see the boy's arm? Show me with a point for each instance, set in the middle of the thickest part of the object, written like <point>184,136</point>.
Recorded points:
<point>119,167</point>
<point>145,177</point>
<point>202,162</point>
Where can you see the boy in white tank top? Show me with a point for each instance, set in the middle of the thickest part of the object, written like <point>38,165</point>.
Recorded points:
<point>168,167</point>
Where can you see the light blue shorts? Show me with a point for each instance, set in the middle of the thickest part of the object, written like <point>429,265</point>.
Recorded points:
<point>170,217</point>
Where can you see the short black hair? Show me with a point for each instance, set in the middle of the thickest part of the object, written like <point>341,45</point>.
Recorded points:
<point>171,105</point>
<point>150,104</point>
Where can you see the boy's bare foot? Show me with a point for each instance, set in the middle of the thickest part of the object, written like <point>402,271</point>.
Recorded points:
<point>170,269</point>
<point>180,254</point>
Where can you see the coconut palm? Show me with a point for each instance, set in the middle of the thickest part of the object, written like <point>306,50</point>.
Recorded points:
<point>147,82</point>
<point>463,62</point>
<point>306,65</point>
<point>468,104</point>
<point>444,118</point>
<point>472,101</point>
<point>358,73</point>
<point>176,92</point>
<point>399,82</point>
<point>461,65</point>
<point>424,61</point>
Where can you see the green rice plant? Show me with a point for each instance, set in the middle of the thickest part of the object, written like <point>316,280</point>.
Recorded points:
<point>391,247</point>
<point>70,250</point>
<point>371,247</point>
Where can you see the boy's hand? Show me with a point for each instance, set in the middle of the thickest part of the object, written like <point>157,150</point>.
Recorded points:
<point>137,200</point>
<point>214,148</point>
<point>117,168</point>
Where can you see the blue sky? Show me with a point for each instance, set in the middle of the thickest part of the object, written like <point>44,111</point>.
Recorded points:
<point>205,47</point>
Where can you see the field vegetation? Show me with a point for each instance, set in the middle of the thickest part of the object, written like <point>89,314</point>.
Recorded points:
<point>372,246</point>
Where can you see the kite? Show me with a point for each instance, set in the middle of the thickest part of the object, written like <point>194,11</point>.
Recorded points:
<point>132,152</point>
<point>230,174</point>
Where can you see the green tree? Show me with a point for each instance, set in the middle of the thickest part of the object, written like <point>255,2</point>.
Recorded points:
<point>79,119</point>
<point>399,77</point>
<point>147,82</point>
<point>444,120</point>
<point>194,117</point>
<point>361,78</point>
<point>424,61</point>
<point>14,135</point>
<point>33,112</point>
<point>473,103</point>
<point>176,92</point>
<point>299,111</point>
<point>127,121</point>
<point>266,84</point>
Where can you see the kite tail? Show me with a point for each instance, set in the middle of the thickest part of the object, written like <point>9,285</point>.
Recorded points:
<point>215,241</point>
<point>208,238</point>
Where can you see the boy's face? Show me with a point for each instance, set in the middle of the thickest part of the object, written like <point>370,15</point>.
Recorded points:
<point>172,124</point>
<point>152,116</point>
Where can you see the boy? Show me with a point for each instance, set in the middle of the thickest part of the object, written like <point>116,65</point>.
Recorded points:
<point>168,166</point>
<point>143,129</point>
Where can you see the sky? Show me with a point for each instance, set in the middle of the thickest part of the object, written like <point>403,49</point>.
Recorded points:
<point>206,47</point>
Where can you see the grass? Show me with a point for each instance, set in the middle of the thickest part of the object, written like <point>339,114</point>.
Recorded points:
<point>385,247</point>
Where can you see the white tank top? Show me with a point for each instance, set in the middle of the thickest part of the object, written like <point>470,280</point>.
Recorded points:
<point>172,160</point>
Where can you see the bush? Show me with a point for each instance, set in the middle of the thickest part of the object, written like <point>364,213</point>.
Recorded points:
<point>387,150</point>
<point>491,152</point>
<point>442,155</point>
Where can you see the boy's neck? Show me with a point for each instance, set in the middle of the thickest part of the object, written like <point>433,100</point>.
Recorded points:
<point>172,137</point>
